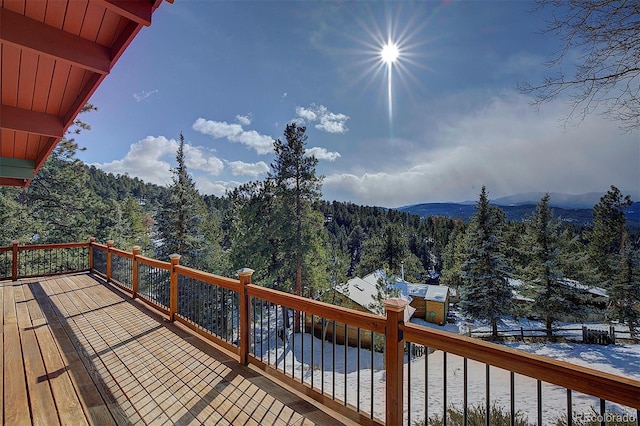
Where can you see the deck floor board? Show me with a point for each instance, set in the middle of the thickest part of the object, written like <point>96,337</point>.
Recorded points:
<point>76,351</point>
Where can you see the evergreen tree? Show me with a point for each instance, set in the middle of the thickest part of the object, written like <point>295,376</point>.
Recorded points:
<point>608,234</point>
<point>485,293</point>
<point>544,273</point>
<point>181,219</point>
<point>452,259</point>
<point>354,246</point>
<point>614,258</point>
<point>624,292</point>
<point>297,187</point>
<point>60,201</point>
<point>14,217</point>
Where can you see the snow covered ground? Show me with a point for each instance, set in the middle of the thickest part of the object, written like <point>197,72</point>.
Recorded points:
<point>338,372</point>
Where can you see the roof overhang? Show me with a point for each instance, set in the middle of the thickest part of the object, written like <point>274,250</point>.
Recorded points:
<point>53,56</point>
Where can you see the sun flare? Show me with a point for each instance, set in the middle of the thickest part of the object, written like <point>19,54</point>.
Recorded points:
<point>390,53</point>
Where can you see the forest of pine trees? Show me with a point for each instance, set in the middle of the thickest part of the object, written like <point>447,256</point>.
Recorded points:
<point>299,243</point>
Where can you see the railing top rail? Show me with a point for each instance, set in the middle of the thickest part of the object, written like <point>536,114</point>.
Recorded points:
<point>122,253</point>
<point>100,246</point>
<point>154,263</point>
<point>347,316</point>
<point>8,248</point>
<point>582,379</point>
<point>51,246</point>
<point>209,278</point>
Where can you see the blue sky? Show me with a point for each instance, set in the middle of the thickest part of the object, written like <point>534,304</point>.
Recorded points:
<point>231,75</point>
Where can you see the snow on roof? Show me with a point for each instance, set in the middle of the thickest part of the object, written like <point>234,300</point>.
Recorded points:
<point>363,290</point>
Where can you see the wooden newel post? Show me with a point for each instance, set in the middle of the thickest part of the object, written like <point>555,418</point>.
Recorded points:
<point>173,291</point>
<point>245,315</point>
<point>394,360</point>
<point>92,241</point>
<point>134,271</point>
<point>14,257</point>
<point>109,247</point>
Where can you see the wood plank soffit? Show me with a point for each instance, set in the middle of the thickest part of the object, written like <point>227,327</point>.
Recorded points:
<point>27,33</point>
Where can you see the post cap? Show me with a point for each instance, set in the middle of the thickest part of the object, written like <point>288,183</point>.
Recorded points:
<point>245,271</point>
<point>395,304</point>
<point>175,258</point>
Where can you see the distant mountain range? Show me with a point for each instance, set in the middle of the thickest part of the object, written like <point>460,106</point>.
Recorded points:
<point>569,208</point>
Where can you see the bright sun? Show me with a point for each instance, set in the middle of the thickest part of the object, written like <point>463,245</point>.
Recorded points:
<point>389,53</point>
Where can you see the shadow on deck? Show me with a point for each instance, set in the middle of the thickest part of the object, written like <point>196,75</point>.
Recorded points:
<point>76,351</point>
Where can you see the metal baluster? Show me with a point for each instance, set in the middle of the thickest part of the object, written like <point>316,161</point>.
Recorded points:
<point>372,382</point>
<point>539,403</point>
<point>426,385</point>
<point>346,348</point>
<point>358,343</point>
<point>444,388</point>
<point>322,356</point>
<point>603,412</point>
<point>488,396</point>
<point>333,363</point>
<point>313,335</point>
<point>512,391</point>
<point>465,400</point>
<point>408,347</point>
<point>569,408</point>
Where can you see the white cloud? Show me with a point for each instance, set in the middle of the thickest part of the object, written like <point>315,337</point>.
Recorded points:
<point>217,188</point>
<point>506,146</point>
<point>329,122</point>
<point>240,168</point>
<point>141,96</point>
<point>306,114</point>
<point>144,160</point>
<point>262,144</point>
<point>323,154</point>
<point>245,120</point>
<point>197,158</point>
<point>151,160</point>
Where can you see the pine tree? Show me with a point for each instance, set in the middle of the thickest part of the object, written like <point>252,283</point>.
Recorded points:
<point>485,293</point>
<point>624,292</point>
<point>614,258</point>
<point>544,273</point>
<point>301,230</point>
<point>607,236</point>
<point>452,259</point>
<point>180,220</point>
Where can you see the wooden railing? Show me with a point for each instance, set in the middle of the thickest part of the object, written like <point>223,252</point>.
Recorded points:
<point>361,365</point>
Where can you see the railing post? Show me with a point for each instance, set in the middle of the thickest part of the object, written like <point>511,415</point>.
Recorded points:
<point>14,264</point>
<point>245,318</point>
<point>134,271</point>
<point>109,247</point>
<point>173,290</point>
<point>92,241</point>
<point>394,360</point>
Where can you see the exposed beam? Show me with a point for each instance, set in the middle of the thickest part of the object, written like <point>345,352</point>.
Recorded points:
<point>17,168</point>
<point>28,33</point>
<point>137,11</point>
<point>24,120</point>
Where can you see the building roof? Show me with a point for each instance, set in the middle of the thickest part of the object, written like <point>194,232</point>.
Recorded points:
<point>53,55</point>
<point>363,291</point>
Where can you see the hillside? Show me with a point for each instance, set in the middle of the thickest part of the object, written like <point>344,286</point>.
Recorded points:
<point>518,207</point>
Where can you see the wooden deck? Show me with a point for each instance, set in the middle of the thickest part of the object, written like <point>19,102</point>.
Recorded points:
<point>77,351</point>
